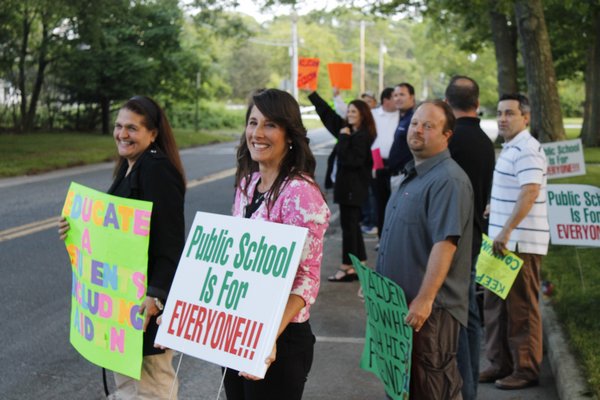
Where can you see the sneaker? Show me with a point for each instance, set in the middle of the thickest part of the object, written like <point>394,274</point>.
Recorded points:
<point>377,247</point>
<point>369,230</point>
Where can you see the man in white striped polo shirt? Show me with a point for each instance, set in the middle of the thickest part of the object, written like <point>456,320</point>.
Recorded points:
<point>519,223</point>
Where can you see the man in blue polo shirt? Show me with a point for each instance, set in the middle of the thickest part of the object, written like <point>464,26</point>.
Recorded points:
<point>426,248</point>
<point>404,100</point>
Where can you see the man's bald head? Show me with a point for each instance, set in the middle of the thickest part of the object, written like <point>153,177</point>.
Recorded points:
<point>462,94</point>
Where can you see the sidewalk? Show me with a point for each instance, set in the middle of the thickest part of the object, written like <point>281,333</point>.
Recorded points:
<point>338,321</point>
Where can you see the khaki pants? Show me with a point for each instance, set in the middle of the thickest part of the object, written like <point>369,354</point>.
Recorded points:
<point>158,376</point>
<point>513,327</point>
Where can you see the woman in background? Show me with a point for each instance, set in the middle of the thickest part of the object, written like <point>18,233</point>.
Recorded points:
<point>352,167</point>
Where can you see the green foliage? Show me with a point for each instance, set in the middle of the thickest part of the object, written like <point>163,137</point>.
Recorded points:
<point>122,48</point>
<point>112,49</point>
<point>569,27</point>
<point>571,93</point>
<point>210,116</point>
<point>439,59</point>
<point>247,72</point>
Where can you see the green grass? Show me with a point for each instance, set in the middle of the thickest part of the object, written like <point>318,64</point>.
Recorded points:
<point>572,133</point>
<point>573,121</point>
<point>576,298</point>
<point>312,123</point>
<point>592,155</point>
<point>39,152</point>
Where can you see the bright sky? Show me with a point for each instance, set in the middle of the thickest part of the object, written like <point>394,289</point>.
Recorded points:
<point>250,8</point>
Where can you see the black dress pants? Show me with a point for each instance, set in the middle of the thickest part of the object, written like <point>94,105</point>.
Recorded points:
<point>352,238</point>
<point>286,377</point>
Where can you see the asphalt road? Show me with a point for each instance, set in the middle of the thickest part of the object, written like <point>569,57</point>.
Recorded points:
<point>37,361</point>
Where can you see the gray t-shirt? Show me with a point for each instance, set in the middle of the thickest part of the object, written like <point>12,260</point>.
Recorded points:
<point>434,202</point>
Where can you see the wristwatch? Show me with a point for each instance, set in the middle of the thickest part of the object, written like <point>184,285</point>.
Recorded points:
<point>158,304</point>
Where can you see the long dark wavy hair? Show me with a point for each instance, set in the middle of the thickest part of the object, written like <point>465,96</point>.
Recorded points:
<point>154,118</point>
<point>298,161</point>
<point>367,122</point>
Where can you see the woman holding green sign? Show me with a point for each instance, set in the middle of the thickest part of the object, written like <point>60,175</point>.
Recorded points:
<point>149,168</point>
<point>275,182</point>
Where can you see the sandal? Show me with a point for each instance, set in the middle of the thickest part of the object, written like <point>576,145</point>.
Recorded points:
<point>343,275</point>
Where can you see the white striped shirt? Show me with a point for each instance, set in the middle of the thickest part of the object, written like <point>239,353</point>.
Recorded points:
<point>522,161</point>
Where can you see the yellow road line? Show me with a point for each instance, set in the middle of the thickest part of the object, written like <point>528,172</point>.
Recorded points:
<point>28,229</point>
<point>211,178</point>
<point>38,226</point>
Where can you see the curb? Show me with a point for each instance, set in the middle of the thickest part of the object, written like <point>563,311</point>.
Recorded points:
<point>570,381</point>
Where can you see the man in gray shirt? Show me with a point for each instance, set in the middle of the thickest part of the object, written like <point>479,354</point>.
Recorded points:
<point>426,248</point>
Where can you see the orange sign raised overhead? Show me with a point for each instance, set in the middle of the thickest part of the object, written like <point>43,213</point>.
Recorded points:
<point>308,72</point>
<point>340,75</point>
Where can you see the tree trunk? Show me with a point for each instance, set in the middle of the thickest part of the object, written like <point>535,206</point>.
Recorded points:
<point>504,36</point>
<point>105,105</point>
<point>39,79</point>
<point>22,70</point>
<point>590,131</point>
<point>546,116</point>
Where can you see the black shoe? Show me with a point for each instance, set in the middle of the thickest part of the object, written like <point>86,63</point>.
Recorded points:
<point>342,275</point>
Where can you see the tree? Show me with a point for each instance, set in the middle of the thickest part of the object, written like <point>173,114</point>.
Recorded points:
<point>590,132</point>
<point>121,48</point>
<point>504,36</point>
<point>546,116</point>
<point>246,71</point>
<point>31,40</point>
<point>573,28</point>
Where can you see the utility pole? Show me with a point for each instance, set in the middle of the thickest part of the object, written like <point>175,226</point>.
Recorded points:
<point>382,51</point>
<point>294,54</point>
<point>362,57</point>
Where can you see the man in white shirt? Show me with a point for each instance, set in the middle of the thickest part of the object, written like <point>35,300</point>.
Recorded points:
<point>518,222</point>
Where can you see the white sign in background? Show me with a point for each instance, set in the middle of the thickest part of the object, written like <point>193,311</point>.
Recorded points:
<point>574,215</point>
<point>230,290</point>
<point>564,158</point>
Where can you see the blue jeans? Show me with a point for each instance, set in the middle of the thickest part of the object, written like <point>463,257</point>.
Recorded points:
<point>469,342</point>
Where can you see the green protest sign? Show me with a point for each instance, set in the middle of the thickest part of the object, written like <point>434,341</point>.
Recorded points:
<point>388,339</point>
<point>108,249</point>
<point>496,273</point>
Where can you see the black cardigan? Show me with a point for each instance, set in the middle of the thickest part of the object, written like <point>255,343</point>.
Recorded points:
<point>153,178</point>
<point>354,159</point>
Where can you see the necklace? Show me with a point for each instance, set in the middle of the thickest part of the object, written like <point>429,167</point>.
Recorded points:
<point>257,199</point>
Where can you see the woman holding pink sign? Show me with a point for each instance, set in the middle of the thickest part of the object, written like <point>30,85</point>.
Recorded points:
<point>149,168</point>
<point>275,182</point>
